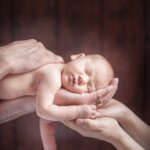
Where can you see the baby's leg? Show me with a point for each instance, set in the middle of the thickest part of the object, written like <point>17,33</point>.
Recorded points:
<point>47,130</point>
<point>86,111</point>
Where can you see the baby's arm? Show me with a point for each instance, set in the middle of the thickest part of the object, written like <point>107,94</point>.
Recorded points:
<point>48,86</point>
<point>65,97</point>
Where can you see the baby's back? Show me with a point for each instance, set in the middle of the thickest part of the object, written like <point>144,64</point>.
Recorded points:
<point>14,86</point>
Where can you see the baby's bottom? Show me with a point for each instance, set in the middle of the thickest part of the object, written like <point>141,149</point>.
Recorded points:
<point>47,130</point>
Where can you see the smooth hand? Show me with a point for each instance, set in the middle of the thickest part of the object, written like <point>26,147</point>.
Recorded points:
<point>106,129</point>
<point>99,128</point>
<point>135,126</point>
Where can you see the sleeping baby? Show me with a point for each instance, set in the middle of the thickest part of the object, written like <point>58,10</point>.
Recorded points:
<point>83,74</point>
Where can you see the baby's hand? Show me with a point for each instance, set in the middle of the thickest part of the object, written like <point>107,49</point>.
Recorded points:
<point>86,111</point>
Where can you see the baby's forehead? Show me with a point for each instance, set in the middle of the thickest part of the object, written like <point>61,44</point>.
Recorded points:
<point>103,71</point>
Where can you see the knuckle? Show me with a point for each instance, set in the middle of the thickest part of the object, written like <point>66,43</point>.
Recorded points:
<point>40,44</point>
<point>33,40</point>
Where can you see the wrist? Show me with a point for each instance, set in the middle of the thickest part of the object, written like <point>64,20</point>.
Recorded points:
<point>124,116</point>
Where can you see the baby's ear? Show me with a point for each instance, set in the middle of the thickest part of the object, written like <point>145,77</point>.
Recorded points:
<point>73,57</point>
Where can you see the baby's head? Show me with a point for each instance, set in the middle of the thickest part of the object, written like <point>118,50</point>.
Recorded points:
<point>86,73</point>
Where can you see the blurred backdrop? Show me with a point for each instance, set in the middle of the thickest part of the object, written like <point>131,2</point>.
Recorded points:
<point>118,29</point>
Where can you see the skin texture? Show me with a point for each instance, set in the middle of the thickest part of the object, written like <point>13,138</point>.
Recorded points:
<point>47,128</point>
<point>28,103</point>
<point>14,57</point>
<point>13,109</point>
<point>14,69</point>
<point>138,129</point>
<point>46,81</point>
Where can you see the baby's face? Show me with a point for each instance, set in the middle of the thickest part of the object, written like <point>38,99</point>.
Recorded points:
<point>82,75</point>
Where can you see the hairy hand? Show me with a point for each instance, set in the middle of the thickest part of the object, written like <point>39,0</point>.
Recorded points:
<point>27,55</point>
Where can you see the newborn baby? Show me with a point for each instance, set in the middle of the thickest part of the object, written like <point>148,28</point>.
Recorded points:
<point>82,74</point>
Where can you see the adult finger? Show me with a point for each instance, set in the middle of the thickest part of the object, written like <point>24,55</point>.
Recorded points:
<point>89,124</point>
<point>109,95</point>
<point>50,57</point>
<point>102,92</point>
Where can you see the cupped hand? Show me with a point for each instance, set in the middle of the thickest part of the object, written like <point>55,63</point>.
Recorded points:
<point>114,109</point>
<point>106,129</point>
<point>27,55</point>
<point>104,95</point>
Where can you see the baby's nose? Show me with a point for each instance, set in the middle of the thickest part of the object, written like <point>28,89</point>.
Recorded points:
<point>83,79</point>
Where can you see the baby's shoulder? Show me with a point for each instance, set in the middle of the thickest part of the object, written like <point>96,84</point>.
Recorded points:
<point>49,69</point>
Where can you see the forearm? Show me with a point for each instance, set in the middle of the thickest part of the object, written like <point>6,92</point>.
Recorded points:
<point>125,142</point>
<point>56,113</point>
<point>64,97</point>
<point>138,129</point>
<point>11,109</point>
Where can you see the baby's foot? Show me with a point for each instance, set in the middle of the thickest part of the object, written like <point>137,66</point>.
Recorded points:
<point>86,111</point>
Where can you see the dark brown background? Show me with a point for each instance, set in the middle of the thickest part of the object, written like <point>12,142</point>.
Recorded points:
<point>117,29</point>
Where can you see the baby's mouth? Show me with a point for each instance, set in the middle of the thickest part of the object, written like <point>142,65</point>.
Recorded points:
<point>72,80</point>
